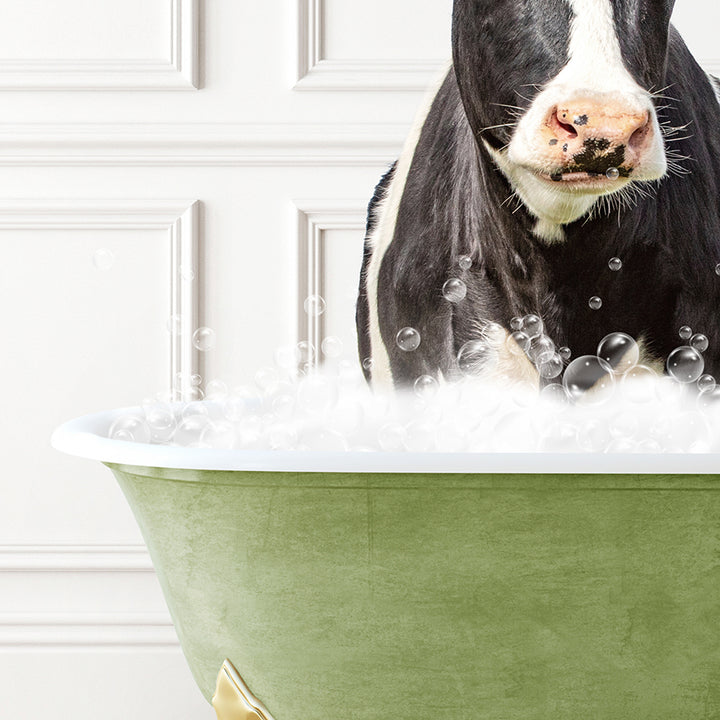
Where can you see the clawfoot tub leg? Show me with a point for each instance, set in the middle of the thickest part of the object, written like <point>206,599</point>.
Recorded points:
<point>233,699</point>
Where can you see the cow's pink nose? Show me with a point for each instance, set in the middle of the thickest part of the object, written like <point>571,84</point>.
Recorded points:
<point>590,125</point>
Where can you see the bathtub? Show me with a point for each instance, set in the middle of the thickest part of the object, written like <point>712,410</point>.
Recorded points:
<point>361,586</point>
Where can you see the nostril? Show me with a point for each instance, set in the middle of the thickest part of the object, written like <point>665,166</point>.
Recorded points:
<point>638,137</point>
<point>562,129</point>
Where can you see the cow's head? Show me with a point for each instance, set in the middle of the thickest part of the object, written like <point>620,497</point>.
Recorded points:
<point>561,93</point>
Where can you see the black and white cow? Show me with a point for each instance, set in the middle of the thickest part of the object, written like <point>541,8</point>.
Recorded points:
<point>566,133</point>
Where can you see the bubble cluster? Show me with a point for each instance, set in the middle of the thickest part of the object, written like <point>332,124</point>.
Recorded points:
<point>314,399</point>
<point>335,410</point>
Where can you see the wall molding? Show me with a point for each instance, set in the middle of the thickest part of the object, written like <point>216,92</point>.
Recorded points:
<point>180,221</point>
<point>83,631</point>
<point>178,72</point>
<point>29,567</point>
<point>316,72</point>
<point>200,144</point>
<point>314,218</point>
<point>46,558</point>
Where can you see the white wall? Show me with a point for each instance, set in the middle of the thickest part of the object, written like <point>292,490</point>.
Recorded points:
<point>248,133</point>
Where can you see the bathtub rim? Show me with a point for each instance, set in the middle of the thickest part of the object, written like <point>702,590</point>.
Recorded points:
<point>85,437</point>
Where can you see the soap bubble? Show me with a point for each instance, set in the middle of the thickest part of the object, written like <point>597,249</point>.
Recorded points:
<point>612,173</point>
<point>266,379</point>
<point>706,383</point>
<point>685,332</point>
<point>160,419</point>
<point>195,380</point>
<point>282,437</point>
<point>347,416</point>
<point>287,357</point>
<point>532,326</point>
<point>685,364</point>
<point>476,356</point>
<point>187,273</point>
<point>419,436</point>
<point>709,400</point>
<point>554,393</point>
<point>593,435</point>
<point>103,258</point>
<point>131,428</point>
<point>204,339</point>
<point>219,434</point>
<point>621,446</point>
<point>699,342</point>
<point>174,324</point>
<point>518,343</point>
<point>189,431</point>
<point>589,380</point>
<point>317,394</point>
<point>542,348</point>
<point>182,380</point>
<point>332,347</point>
<point>240,402</point>
<point>619,351</point>
<point>465,262</point>
<point>194,407</point>
<point>216,389</point>
<point>314,305</point>
<point>623,424</point>
<point>391,437</point>
<point>638,384</point>
<point>565,353</point>
<point>306,351</point>
<point>426,386</point>
<point>408,339</point>
<point>454,290</point>
<point>551,367</point>
<point>283,406</point>
<point>595,302</point>
<point>192,394</point>
<point>323,440</point>
<point>615,264</point>
<point>516,324</point>
<point>367,363</point>
<point>717,269</point>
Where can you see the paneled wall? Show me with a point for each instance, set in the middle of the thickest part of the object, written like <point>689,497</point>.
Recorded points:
<point>204,158</point>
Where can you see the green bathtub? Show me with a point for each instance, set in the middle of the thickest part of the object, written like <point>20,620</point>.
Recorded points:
<point>364,595</point>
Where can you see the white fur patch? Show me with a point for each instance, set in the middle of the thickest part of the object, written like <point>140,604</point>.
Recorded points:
<point>382,236</point>
<point>595,69</point>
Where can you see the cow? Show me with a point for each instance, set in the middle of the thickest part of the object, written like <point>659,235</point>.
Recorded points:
<point>567,168</point>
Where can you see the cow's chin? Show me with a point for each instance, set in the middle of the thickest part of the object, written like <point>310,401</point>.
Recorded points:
<point>559,199</point>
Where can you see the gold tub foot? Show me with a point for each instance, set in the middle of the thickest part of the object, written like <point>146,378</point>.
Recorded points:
<point>233,700</point>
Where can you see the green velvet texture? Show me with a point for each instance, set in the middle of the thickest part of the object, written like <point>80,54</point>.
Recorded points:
<point>419,596</point>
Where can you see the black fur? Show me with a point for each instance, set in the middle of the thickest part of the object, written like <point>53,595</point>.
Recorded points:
<point>362,309</point>
<point>454,205</point>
